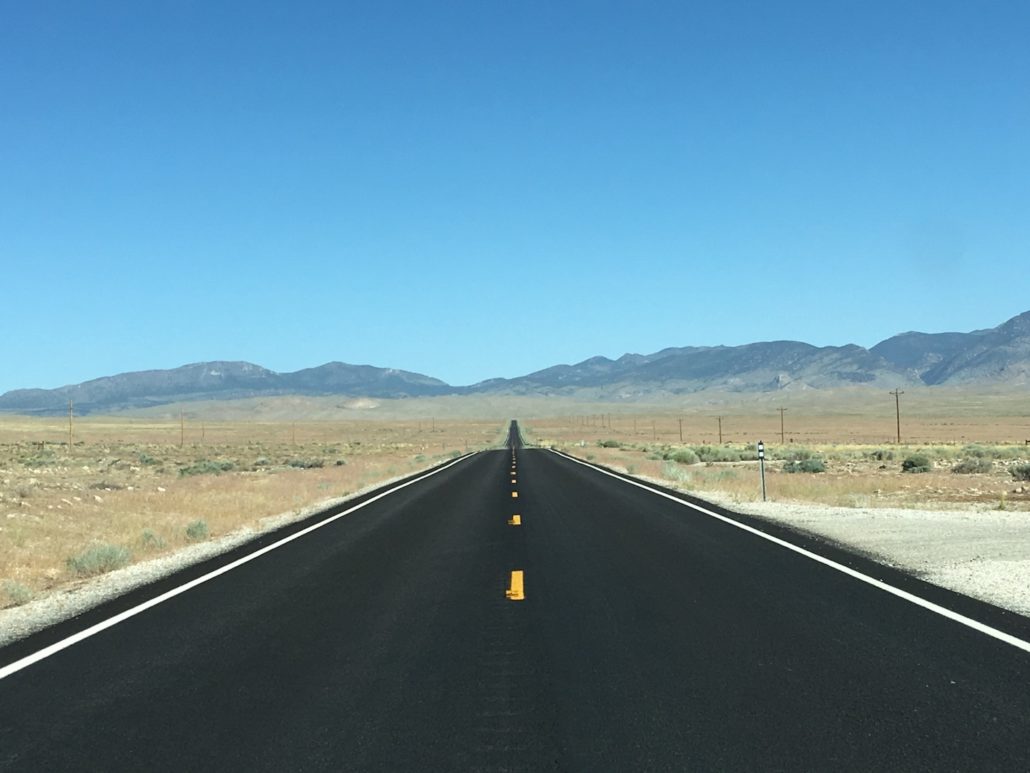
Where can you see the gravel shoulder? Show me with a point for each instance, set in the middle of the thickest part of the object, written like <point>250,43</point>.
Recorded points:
<point>982,554</point>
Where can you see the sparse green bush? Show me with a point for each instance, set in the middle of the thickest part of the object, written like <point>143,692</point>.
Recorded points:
<point>674,472</point>
<point>683,456</point>
<point>917,463</point>
<point>206,467</point>
<point>17,592</point>
<point>992,452</point>
<point>609,444</point>
<point>805,465</point>
<point>709,454</point>
<point>41,458</point>
<point>306,464</point>
<point>151,540</point>
<point>973,465</point>
<point>1020,472</point>
<point>343,462</point>
<point>797,455</point>
<point>881,455</point>
<point>197,530</point>
<point>147,459</point>
<point>262,461</point>
<point>99,559</point>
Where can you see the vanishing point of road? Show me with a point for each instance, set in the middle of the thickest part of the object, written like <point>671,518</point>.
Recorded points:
<point>520,610</point>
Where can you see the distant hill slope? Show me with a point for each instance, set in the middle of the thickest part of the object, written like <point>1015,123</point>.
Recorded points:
<point>750,368</point>
<point>1000,355</point>
<point>219,381</point>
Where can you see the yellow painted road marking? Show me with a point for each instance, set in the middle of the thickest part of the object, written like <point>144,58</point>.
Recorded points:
<point>516,520</point>
<point>513,481</point>
<point>516,591</point>
<point>514,495</point>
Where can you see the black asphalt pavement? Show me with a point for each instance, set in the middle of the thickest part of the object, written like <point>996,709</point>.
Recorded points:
<point>651,637</point>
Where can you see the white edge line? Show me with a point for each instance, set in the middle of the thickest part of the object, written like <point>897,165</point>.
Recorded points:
<point>911,597</point>
<point>75,638</point>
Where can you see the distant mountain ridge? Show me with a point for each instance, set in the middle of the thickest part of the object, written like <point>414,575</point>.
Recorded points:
<point>220,381</point>
<point>997,355</point>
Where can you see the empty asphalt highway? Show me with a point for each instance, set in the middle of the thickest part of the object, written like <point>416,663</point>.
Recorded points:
<point>520,610</point>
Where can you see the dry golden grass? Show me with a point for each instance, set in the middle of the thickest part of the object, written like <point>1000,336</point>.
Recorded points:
<point>842,431</point>
<point>122,482</point>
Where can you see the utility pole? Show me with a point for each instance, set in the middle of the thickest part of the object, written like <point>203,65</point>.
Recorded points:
<point>681,430</point>
<point>782,411</point>
<point>719,419</point>
<point>182,429</point>
<point>69,426</point>
<point>897,410</point>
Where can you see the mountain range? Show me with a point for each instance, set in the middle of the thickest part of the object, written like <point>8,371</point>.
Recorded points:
<point>1000,355</point>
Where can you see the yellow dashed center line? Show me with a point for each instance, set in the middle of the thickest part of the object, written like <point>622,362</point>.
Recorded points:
<point>516,590</point>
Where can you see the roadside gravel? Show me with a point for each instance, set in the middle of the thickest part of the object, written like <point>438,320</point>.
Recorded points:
<point>980,553</point>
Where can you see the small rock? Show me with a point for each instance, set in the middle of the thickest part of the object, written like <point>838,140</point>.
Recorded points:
<point>161,489</point>
<point>98,499</point>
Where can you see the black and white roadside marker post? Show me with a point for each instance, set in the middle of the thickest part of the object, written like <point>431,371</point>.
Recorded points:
<point>761,465</point>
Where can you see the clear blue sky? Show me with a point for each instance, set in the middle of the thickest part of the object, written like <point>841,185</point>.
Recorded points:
<point>485,188</point>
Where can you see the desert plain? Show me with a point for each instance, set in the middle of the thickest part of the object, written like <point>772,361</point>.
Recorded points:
<point>133,489</point>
